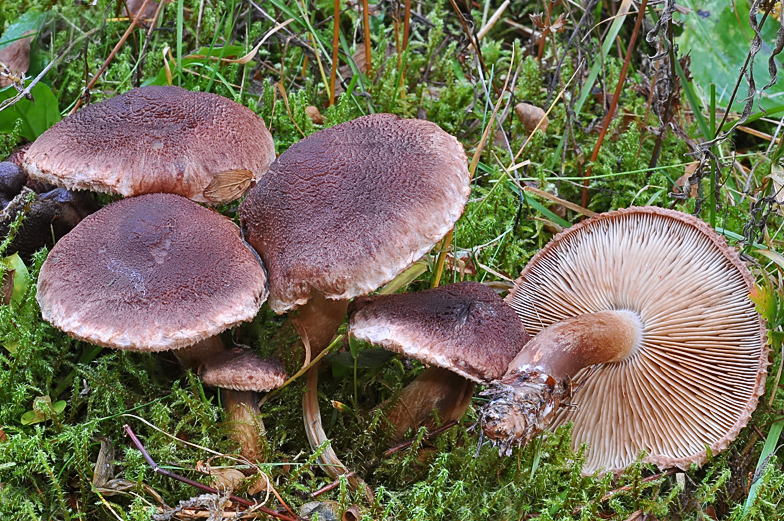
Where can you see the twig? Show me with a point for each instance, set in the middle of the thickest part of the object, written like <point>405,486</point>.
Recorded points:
<point>24,93</point>
<point>366,23</point>
<point>196,484</point>
<point>614,103</point>
<point>406,444</point>
<point>492,21</point>
<point>109,58</point>
<point>335,41</point>
<point>327,488</point>
<point>626,488</point>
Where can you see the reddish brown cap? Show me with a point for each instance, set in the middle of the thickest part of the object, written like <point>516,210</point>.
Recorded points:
<point>242,370</point>
<point>465,328</point>
<point>156,139</point>
<point>695,377</point>
<point>348,208</point>
<point>150,273</point>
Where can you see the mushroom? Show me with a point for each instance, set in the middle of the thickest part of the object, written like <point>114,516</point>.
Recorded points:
<point>648,310</point>
<point>152,273</point>
<point>156,139</point>
<point>465,332</point>
<point>344,211</point>
<point>241,374</point>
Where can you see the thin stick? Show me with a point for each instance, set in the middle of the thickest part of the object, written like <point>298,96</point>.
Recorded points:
<point>305,368</point>
<point>614,104</point>
<point>406,23</point>
<point>493,20</point>
<point>327,488</point>
<point>109,59</point>
<point>196,484</point>
<point>335,40</point>
<point>406,444</point>
<point>366,22</point>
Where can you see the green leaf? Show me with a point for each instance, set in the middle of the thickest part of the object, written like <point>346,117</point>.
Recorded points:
<point>36,116</point>
<point>228,51</point>
<point>43,409</point>
<point>16,266</point>
<point>718,40</point>
<point>31,21</point>
<point>764,458</point>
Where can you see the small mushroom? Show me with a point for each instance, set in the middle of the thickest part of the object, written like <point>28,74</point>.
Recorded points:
<point>241,374</point>
<point>344,211</point>
<point>156,140</point>
<point>465,331</point>
<point>648,311</point>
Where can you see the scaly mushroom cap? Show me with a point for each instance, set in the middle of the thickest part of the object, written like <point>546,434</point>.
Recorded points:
<point>346,209</point>
<point>156,140</point>
<point>465,328</point>
<point>150,273</point>
<point>242,370</point>
<point>700,367</point>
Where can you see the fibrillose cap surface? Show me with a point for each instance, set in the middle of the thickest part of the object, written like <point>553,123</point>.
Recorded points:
<point>150,273</point>
<point>348,208</point>
<point>700,368</point>
<point>465,328</point>
<point>156,140</point>
<point>242,370</point>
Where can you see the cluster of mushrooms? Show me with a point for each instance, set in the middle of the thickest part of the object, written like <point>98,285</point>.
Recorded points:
<point>644,310</point>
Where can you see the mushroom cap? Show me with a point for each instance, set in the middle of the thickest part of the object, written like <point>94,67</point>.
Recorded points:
<point>156,139</point>
<point>695,378</point>
<point>242,370</point>
<point>346,209</point>
<point>465,328</point>
<point>150,273</point>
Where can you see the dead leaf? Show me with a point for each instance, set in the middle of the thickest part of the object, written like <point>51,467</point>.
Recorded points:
<point>352,514</point>
<point>227,479</point>
<point>3,436</point>
<point>777,178</point>
<point>104,466</point>
<point>683,180</point>
<point>132,7</point>
<point>14,61</point>
<point>314,115</point>
<point>7,287</point>
<point>530,116</point>
<point>260,485</point>
<point>228,185</point>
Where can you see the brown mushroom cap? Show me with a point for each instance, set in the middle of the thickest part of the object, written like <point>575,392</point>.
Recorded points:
<point>695,377</point>
<point>465,328</point>
<point>150,273</point>
<point>156,139</point>
<point>242,370</point>
<point>346,209</point>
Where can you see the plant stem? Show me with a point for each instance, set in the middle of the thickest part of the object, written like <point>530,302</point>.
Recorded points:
<point>614,104</point>
<point>712,198</point>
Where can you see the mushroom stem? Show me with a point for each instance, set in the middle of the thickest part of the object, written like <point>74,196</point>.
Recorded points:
<point>242,410</point>
<point>243,415</point>
<point>318,321</point>
<point>435,389</point>
<point>526,399</point>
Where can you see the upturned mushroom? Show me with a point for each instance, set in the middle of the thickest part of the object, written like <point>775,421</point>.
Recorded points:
<point>156,140</point>
<point>344,211</point>
<point>465,332</point>
<point>647,311</point>
<point>152,273</point>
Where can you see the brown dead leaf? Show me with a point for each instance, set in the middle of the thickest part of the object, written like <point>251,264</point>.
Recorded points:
<point>3,436</point>
<point>14,61</point>
<point>260,485</point>
<point>104,466</point>
<point>530,116</point>
<point>683,180</point>
<point>314,115</point>
<point>7,286</point>
<point>776,176</point>
<point>132,7</point>
<point>227,479</point>
<point>352,514</point>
